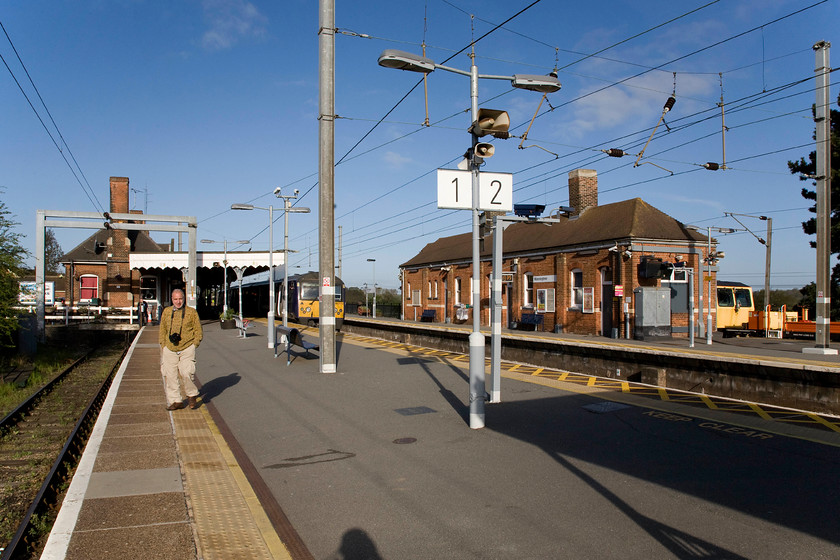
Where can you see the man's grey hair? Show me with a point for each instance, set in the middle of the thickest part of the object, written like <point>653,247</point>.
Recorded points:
<point>179,290</point>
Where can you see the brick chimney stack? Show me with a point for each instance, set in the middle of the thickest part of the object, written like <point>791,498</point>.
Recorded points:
<point>583,190</point>
<point>117,286</point>
<point>119,195</point>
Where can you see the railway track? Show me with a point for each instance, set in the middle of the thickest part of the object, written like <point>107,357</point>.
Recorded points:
<point>40,444</point>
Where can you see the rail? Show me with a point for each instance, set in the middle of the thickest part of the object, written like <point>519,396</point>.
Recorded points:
<point>62,467</point>
<point>23,408</point>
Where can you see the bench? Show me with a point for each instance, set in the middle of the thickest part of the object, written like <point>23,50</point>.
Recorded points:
<point>428,316</point>
<point>293,338</point>
<point>530,319</point>
<point>243,325</point>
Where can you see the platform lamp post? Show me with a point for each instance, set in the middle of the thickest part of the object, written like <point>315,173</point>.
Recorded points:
<point>287,208</point>
<point>271,335</point>
<point>225,263</point>
<point>710,259</point>
<point>373,262</point>
<point>490,122</point>
<point>768,248</point>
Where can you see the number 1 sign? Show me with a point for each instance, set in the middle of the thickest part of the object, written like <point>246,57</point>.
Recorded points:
<point>495,190</point>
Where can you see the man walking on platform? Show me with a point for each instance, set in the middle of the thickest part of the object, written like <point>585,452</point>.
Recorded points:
<point>179,335</point>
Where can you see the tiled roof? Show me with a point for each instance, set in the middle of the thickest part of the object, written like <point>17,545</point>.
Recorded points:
<point>94,248</point>
<point>632,219</point>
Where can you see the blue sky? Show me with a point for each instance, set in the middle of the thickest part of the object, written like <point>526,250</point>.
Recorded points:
<point>207,103</point>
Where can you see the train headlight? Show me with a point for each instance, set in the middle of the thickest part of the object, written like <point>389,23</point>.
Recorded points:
<point>309,310</point>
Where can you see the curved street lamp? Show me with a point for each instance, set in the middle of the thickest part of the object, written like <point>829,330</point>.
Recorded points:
<point>401,60</point>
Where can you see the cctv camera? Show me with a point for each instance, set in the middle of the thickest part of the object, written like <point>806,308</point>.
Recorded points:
<point>296,192</point>
<point>277,190</point>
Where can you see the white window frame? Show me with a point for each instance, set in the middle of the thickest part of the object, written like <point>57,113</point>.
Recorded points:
<point>96,293</point>
<point>457,290</point>
<point>155,283</point>
<point>576,289</point>
<point>528,289</point>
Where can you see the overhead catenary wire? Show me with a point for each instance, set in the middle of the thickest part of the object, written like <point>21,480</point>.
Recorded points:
<point>690,54</point>
<point>88,190</point>
<point>580,97</point>
<point>763,92</point>
<point>379,197</point>
<point>573,165</point>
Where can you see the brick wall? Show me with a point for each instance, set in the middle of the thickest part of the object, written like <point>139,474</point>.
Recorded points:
<point>583,190</point>
<point>623,271</point>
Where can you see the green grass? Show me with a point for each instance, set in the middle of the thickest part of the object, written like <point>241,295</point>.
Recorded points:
<point>47,362</point>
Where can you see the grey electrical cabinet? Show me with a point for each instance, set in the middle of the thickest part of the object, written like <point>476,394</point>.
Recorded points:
<point>653,312</point>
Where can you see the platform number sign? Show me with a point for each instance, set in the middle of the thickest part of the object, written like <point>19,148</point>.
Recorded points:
<point>455,190</point>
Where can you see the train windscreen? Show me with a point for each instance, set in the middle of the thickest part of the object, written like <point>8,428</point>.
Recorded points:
<point>743,297</point>
<point>309,291</point>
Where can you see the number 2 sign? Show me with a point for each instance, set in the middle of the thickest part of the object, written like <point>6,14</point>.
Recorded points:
<point>455,190</point>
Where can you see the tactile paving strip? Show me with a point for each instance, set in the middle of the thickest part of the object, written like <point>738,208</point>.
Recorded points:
<point>225,525</point>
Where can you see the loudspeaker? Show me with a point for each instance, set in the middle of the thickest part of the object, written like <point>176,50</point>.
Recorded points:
<point>484,150</point>
<point>491,121</point>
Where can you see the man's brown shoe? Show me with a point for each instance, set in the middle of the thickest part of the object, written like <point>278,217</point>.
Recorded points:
<point>193,403</point>
<point>175,406</point>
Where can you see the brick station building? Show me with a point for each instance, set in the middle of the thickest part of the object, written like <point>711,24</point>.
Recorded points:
<point>119,269</point>
<point>583,274</point>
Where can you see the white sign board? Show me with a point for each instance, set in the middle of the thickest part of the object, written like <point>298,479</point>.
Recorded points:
<point>495,190</point>
<point>27,293</point>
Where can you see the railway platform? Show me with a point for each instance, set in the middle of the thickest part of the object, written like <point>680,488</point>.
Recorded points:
<point>154,484</point>
<point>363,458</point>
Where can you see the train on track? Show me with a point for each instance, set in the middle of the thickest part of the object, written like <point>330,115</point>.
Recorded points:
<point>304,305</point>
<point>738,315</point>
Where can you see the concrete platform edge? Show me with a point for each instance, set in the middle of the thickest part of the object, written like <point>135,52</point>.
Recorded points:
<point>68,514</point>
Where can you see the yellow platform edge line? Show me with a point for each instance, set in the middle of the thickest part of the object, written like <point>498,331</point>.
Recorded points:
<point>709,402</point>
<point>824,422</point>
<point>760,411</point>
<point>623,385</point>
<point>275,546</point>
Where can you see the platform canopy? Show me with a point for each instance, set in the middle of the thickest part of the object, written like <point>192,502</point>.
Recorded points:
<point>243,259</point>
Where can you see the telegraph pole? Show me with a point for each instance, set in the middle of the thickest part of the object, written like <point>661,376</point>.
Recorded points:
<point>326,182</point>
<point>823,177</point>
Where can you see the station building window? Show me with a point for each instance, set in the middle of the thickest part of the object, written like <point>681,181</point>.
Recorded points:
<point>89,288</point>
<point>528,290</point>
<point>577,289</point>
<point>148,288</point>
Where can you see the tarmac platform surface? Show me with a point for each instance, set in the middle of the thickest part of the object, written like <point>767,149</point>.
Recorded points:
<point>378,461</point>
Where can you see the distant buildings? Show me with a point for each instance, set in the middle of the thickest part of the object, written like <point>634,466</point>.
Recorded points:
<point>120,269</point>
<point>583,275</point>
